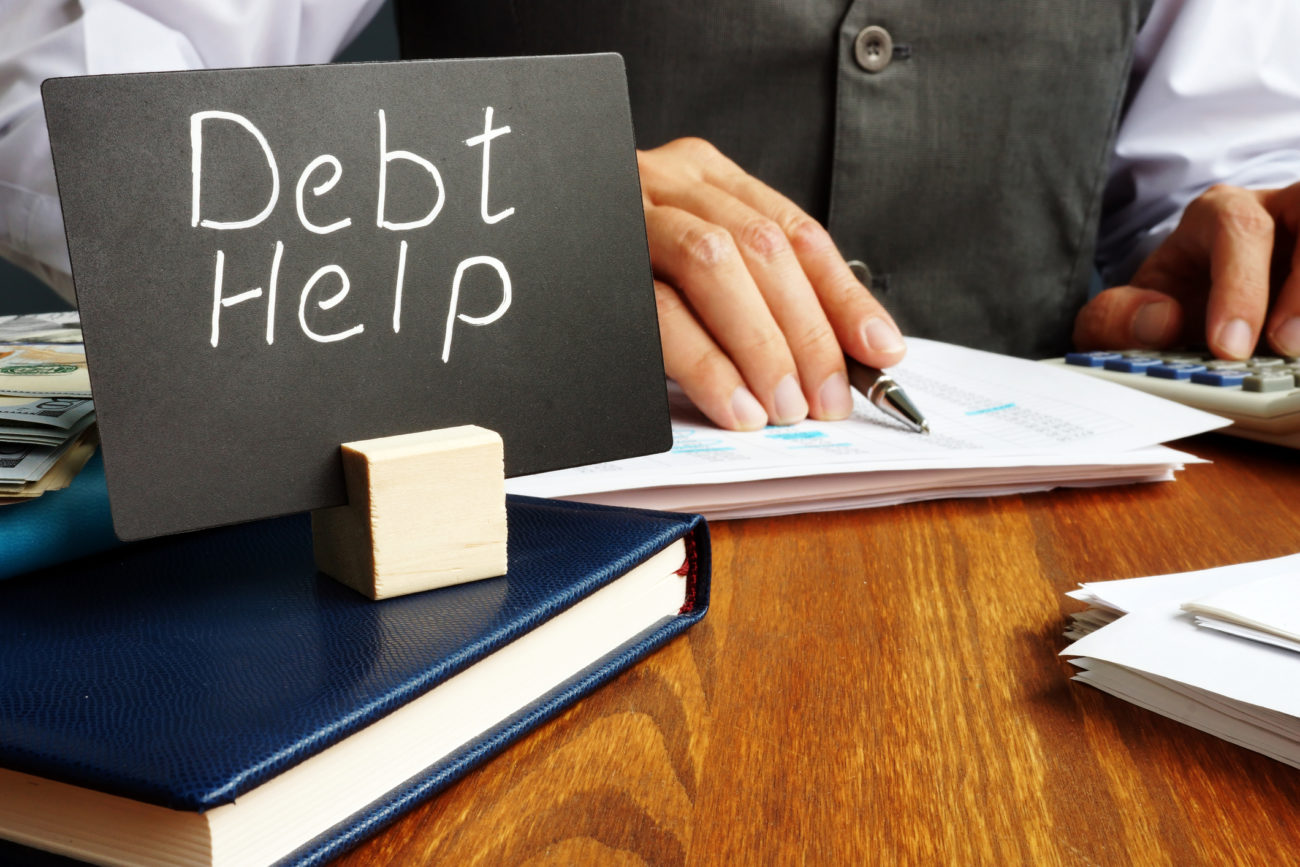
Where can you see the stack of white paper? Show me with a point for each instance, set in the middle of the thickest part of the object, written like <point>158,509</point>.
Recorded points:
<point>1140,641</point>
<point>998,425</point>
<point>1266,609</point>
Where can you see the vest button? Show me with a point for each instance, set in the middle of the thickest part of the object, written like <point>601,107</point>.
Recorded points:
<point>861,271</point>
<point>874,48</point>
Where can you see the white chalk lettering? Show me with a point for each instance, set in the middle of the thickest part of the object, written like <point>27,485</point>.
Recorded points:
<point>218,301</point>
<point>397,293</point>
<point>320,190</point>
<point>321,175</point>
<point>326,305</point>
<point>452,316</point>
<point>385,157</point>
<point>196,169</point>
<point>270,293</point>
<point>486,140</point>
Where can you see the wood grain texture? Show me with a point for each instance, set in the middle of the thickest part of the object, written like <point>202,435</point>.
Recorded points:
<point>883,686</point>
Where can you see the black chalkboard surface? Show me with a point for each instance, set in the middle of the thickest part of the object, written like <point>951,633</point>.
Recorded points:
<point>271,262</point>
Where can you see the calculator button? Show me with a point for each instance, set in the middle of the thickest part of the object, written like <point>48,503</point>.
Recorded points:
<point>1181,370</point>
<point>1220,377</point>
<point>1137,364</point>
<point>1268,380</point>
<point>1262,361</point>
<point>1262,402</point>
<point>1090,359</point>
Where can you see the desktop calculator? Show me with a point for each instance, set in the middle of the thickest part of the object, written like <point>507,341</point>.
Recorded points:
<point>1261,395</point>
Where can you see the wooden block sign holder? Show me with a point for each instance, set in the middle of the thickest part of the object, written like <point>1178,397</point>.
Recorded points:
<point>424,510</point>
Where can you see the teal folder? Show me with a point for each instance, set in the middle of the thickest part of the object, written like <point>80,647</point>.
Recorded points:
<point>58,526</point>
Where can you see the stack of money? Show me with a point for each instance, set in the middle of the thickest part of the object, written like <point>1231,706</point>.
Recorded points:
<point>47,419</point>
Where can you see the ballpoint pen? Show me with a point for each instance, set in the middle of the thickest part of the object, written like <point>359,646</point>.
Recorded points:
<point>879,388</point>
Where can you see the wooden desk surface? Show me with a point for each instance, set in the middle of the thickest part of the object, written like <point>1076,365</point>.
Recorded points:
<point>883,686</point>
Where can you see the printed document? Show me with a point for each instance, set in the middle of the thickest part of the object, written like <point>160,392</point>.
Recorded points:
<point>998,425</point>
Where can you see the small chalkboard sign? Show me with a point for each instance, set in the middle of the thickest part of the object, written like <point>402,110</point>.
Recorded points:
<point>272,262</point>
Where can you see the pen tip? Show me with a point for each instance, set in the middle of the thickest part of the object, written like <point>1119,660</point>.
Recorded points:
<point>925,427</point>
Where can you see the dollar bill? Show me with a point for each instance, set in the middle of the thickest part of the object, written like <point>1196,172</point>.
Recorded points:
<point>60,474</point>
<point>21,463</point>
<point>41,356</point>
<point>41,328</point>
<point>27,354</point>
<point>47,420</point>
<point>25,462</point>
<point>58,413</point>
<point>43,372</point>
<point>44,436</point>
<point>34,438</point>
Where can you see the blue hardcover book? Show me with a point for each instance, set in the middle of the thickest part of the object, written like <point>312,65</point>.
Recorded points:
<point>212,699</point>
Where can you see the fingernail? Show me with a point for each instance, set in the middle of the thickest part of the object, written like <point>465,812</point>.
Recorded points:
<point>790,405</point>
<point>1234,338</point>
<point>834,397</point>
<point>748,412</point>
<point>882,335</point>
<point>1151,322</point>
<point>1286,338</point>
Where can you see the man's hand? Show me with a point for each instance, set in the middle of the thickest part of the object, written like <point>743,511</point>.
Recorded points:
<point>756,305</point>
<point>1211,280</point>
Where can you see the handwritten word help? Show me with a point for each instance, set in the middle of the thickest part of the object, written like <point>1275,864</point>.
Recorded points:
<point>318,178</point>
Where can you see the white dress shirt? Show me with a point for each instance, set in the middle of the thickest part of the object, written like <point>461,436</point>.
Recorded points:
<point>41,39</point>
<point>1215,98</point>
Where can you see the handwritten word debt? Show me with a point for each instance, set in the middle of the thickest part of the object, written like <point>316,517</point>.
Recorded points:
<point>314,182</point>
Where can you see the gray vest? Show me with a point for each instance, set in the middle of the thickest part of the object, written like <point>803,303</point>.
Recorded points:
<point>959,148</point>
